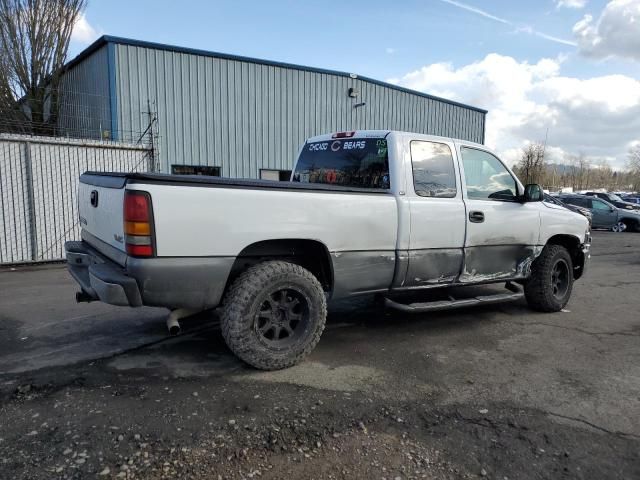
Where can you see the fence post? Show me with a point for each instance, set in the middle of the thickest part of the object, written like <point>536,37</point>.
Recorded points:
<point>33,239</point>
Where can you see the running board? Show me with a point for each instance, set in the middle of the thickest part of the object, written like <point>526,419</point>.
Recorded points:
<point>516,294</point>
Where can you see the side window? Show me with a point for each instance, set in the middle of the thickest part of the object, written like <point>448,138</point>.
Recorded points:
<point>580,202</point>
<point>433,172</point>
<point>598,205</point>
<point>486,177</point>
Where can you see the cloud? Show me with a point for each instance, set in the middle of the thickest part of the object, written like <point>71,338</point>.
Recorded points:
<point>616,33</point>
<point>570,3</point>
<point>519,29</point>
<point>83,32</point>
<point>597,116</point>
<point>390,50</point>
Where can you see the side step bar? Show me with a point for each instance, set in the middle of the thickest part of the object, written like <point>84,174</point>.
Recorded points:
<point>516,294</point>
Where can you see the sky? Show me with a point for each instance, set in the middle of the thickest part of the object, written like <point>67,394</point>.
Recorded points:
<point>567,71</point>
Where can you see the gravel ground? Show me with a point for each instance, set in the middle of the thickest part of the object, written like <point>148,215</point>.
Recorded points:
<point>93,391</point>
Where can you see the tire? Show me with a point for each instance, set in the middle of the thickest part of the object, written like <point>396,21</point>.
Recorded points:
<point>273,315</point>
<point>618,227</point>
<point>548,289</point>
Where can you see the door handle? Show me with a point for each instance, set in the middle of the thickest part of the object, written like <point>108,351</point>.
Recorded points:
<point>476,217</point>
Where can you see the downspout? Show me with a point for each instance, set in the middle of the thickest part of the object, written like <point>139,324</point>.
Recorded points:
<point>113,101</point>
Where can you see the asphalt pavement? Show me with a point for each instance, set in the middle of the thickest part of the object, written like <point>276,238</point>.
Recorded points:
<point>491,392</point>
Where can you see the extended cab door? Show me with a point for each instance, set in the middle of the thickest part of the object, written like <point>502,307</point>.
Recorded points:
<point>502,233</point>
<point>436,214</point>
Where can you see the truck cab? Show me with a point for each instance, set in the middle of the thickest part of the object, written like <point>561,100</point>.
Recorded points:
<point>464,217</point>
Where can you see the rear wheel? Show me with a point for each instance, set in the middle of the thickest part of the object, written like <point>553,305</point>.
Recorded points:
<point>548,289</point>
<point>273,315</point>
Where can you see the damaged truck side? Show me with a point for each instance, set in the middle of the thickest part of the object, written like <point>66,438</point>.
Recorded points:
<point>365,212</point>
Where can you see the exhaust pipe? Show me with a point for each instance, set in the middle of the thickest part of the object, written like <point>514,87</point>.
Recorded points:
<point>173,324</point>
<point>83,296</point>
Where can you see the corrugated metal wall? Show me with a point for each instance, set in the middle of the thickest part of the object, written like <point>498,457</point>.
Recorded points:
<point>244,116</point>
<point>84,98</point>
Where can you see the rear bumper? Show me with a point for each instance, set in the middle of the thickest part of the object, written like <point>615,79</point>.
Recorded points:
<point>101,278</point>
<point>186,282</point>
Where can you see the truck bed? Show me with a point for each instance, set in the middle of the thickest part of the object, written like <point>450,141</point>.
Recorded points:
<point>205,220</point>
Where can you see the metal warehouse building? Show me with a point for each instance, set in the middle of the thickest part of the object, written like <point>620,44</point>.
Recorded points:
<point>242,117</point>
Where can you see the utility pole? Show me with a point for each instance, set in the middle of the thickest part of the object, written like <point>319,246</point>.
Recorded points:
<point>152,119</point>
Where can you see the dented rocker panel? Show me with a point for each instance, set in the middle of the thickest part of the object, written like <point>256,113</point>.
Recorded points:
<point>433,267</point>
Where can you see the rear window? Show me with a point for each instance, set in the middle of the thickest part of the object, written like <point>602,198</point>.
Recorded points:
<point>358,162</point>
<point>578,201</point>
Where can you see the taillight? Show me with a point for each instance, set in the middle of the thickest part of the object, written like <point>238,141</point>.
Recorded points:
<point>343,135</point>
<point>138,224</point>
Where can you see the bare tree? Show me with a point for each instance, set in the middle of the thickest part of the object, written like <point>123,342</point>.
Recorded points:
<point>531,166</point>
<point>603,176</point>
<point>579,172</point>
<point>34,41</point>
<point>633,166</point>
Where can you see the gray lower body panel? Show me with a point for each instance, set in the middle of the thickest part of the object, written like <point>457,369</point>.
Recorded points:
<point>358,272</point>
<point>193,283</point>
<point>433,267</point>
<point>498,262</point>
<point>362,271</point>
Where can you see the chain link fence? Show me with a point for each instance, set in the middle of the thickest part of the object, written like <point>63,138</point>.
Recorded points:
<point>39,185</point>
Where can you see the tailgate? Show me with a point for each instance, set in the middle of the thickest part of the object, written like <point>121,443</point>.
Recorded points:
<point>100,203</point>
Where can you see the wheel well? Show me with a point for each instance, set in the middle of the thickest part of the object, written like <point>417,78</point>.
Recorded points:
<point>630,223</point>
<point>310,254</point>
<point>572,244</point>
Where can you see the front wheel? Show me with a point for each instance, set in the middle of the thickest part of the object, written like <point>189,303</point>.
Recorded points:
<point>548,289</point>
<point>619,227</point>
<point>273,315</point>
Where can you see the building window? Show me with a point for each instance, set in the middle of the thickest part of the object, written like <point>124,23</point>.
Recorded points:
<point>277,175</point>
<point>433,171</point>
<point>195,170</point>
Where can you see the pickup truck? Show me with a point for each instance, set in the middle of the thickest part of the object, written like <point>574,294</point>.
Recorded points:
<point>365,212</point>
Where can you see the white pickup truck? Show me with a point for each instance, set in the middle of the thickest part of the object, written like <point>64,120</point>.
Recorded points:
<point>365,212</point>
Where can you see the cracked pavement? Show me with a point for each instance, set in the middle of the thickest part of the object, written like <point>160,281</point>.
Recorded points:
<point>491,392</point>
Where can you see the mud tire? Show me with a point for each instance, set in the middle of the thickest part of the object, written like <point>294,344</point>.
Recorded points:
<point>252,292</point>
<point>542,290</point>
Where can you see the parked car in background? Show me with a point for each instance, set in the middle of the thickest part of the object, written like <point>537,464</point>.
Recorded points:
<point>605,215</point>
<point>574,208</point>
<point>615,200</point>
<point>635,199</point>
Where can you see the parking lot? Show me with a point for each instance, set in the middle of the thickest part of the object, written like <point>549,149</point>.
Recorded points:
<point>495,392</point>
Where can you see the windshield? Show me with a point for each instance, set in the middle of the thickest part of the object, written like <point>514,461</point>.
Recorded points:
<point>614,197</point>
<point>360,162</point>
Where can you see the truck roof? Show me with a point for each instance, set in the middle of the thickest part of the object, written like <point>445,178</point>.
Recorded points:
<point>383,134</point>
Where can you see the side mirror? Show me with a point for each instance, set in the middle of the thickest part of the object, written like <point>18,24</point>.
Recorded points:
<point>532,193</point>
